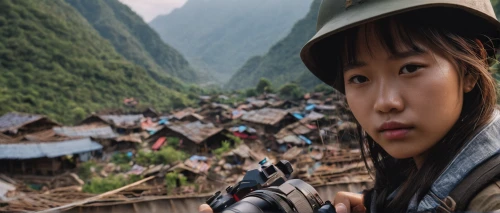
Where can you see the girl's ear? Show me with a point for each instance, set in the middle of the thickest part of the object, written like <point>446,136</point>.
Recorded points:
<point>469,82</point>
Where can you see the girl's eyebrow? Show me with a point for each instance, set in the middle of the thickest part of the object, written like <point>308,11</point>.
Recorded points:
<point>353,65</point>
<point>406,54</point>
<point>398,56</point>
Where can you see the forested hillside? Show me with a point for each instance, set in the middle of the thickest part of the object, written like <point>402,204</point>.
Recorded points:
<point>219,36</point>
<point>54,63</point>
<point>134,39</point>
<point>282,64</point>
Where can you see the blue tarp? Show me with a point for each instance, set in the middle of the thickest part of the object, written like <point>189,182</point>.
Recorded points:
<point>298,116</point>
<point>305,139</point>
<point>163,121</point>
<point>197,158</point>
<point>310,107</point>
<point>242,128</point>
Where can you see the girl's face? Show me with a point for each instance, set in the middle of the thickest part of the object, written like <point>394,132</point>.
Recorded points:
<point>407,101</point>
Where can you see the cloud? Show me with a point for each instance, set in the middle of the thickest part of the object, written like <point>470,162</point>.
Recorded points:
<point>149,9</point>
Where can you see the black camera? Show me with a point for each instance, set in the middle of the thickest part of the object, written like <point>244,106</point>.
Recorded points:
<point>268,190</point>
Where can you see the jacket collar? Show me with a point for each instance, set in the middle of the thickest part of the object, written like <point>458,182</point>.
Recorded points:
<point>483,146</point>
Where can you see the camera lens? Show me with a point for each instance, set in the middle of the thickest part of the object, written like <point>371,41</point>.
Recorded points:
<point>292,196</point>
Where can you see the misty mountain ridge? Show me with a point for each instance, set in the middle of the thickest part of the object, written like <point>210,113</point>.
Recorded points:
<point>282,63</point>
<point>135,40</point>
<point>219,36</point>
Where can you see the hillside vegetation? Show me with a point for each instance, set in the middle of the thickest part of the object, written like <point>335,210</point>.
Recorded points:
<point>134,39</point>
<point>54,63</point>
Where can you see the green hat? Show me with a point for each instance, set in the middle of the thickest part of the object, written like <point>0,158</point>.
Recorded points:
<point>338,15</point>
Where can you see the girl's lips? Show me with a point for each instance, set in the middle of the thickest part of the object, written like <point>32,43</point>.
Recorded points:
<point>395,134</point>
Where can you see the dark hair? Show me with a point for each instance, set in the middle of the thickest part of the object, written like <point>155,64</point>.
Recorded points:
<point>463,47</point>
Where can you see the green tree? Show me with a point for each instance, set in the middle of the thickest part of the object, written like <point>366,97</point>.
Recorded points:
<point>291,91</point>
<point>264,86</point>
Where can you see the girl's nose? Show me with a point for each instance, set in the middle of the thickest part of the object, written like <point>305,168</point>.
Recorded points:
<point>388,98</point>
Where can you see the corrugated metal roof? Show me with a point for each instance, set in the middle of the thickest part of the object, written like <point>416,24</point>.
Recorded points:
<point>123,120</point>
<point>86,131</point>
<point>196,131</point>
<point>267,116</point>
<point>47,149</point>
<point>14,120</point>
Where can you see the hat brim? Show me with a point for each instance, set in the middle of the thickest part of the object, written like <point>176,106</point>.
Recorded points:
<point>374,10</point>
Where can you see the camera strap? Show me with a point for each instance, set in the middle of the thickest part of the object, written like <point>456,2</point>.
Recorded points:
<point>478,179</point>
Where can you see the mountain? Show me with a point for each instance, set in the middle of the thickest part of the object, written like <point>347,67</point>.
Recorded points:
<point>53,62</point>
<point>134,39</point>
<point>219,36</point>
<point>282,63</point>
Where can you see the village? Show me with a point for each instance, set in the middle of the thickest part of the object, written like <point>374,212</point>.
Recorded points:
<point>119,157</point>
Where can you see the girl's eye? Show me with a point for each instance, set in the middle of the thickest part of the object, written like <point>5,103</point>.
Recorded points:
<point>410,68</point>
<point>358,79</point>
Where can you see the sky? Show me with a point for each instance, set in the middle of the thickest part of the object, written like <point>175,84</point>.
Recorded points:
<point>149,9</point>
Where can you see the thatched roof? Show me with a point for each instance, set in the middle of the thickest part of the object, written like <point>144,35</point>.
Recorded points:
<point>194,131</point>
<point>267,116</point>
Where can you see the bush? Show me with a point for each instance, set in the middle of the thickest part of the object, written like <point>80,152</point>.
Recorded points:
<point>250,93</point>
<point>226,146</point>
<point>166,155</point>
<point>173,141</point>
<point>237,141</point>
<point>100,185</point>
<point>171,180</point>
<point>84,170</point>
<point>120,158</point>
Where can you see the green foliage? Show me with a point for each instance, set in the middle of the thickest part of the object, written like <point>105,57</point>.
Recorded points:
<point>237,141</point>
<point>282,63</point>
<point>173,141</point>
<point>124,167</point>
<point>166,155</point>
<point>171,180</point>
<point>264,86</point>
<point>120,158</point>
<point>291,91</point>
<point>84,170</point>
<point>224,34</point>
<point>226,147</point>
<point>134,39</point>
<point>251,93</point>
<point>52,62</point>
<point>98,185</point>
<point>325,89</point>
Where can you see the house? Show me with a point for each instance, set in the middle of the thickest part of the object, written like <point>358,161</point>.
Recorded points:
<point>16,124</point>
<point>150,113</point>
<point>286,104</point>
<point>45,158</point>
<point>187,115</point>
<point>103,134</point>
<point>268,120</point>
<point>244,132</point>
<point>217,113</point>
<point>93,131</point>
<point>296,134</point>
<point>122,124</point>
<point>195,137</point>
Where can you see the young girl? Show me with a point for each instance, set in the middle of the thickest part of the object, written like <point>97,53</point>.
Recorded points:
<point>416,77</point>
